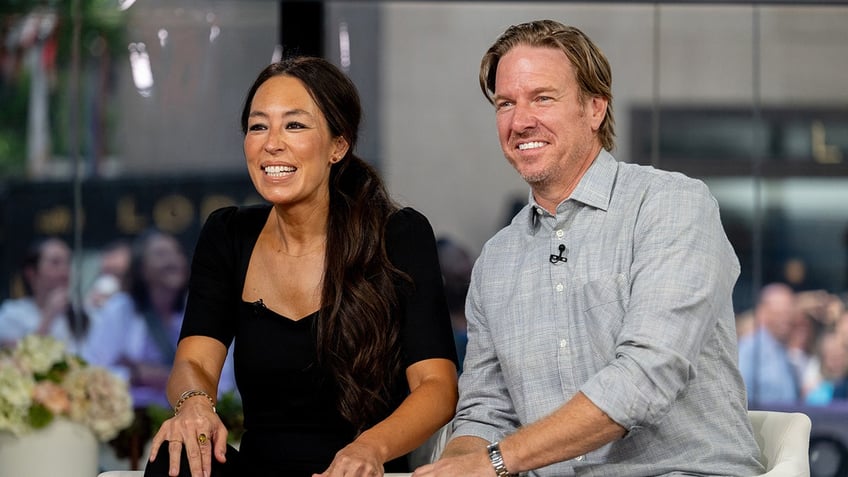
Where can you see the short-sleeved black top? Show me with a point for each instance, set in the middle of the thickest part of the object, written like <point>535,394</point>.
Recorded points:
<point>290,416</point>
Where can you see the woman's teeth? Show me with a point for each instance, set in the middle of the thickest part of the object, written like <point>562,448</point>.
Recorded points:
<point>279,170</point>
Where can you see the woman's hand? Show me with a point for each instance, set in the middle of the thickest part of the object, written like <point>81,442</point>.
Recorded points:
<point>200,430</point>
<point>356,459</point>
<point>55,305</point>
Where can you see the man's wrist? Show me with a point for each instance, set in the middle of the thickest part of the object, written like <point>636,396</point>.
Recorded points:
<point>495,456</point>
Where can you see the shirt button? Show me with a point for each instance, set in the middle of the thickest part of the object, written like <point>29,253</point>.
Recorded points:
<point>580,458</point>
<point>563,343</point>
<point>559,287</point>
<point>560,233</point>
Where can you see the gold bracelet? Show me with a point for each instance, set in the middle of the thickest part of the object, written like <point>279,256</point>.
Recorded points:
<point>190,394</point>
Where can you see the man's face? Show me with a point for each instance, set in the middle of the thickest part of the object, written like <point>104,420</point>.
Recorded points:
<point>778,312</point>
<point>547,132</point>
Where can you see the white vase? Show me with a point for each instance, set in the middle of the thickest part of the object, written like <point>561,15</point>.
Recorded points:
<point>63,448</point>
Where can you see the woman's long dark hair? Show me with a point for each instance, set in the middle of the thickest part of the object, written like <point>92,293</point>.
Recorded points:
<point>138,287</point>
<point>357,338</point>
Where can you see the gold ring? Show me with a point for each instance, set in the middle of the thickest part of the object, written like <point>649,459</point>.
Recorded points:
<point>202,439</point>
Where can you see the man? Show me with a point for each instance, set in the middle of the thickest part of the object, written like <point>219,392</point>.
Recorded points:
<point>601,329</point>
<point>764,358</point>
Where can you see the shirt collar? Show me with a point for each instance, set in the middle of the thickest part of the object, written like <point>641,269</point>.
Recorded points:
<point>594,188</point>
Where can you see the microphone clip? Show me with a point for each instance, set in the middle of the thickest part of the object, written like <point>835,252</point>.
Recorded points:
<point>558,258</point>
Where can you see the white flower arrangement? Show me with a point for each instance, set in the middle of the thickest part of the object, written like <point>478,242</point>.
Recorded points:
<point>40,380</point>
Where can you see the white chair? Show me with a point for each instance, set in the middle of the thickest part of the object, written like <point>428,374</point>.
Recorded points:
<point>784,440</point>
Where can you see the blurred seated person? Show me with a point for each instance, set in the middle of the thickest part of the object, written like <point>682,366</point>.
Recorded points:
<point>331,294</point>
<point>45,307</point>
<point>112,275</point>
<point>764,359</point>
<point>456,265</point>
<point>833,369</point>
<point>744,324</point>
<point>135,332</point>
<point>840,327</point>
<point>801,347</point>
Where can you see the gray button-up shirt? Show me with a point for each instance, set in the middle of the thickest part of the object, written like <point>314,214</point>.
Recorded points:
<point>639,318</point>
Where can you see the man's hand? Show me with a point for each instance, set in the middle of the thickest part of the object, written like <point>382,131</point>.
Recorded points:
<point>476,464</point>
<point>464,456</point>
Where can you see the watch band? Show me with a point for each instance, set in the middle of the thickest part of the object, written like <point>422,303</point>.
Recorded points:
<point>497,460</point>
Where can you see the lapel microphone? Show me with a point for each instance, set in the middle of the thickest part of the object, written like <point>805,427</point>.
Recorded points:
<point>559,258</point>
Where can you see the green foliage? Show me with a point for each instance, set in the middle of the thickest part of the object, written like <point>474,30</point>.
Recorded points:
<point>39,416</point>
<point>230,411</point>
<point>102,31</point>
<point>56,374</point>
<point>14,96</point>
<point>158,415</point>
<point>12,145</point>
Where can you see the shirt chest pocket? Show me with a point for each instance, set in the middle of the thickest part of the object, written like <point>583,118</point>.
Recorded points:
<point>602,304</point>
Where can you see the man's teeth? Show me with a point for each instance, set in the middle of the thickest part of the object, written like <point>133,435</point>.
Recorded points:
<point>530,145</point>
<point>279,170</point>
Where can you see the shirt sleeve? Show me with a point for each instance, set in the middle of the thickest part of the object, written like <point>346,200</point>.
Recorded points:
<point>13,326</point>
<point>20,317</point>
<point>106,341</point>
<point>214,291</point>
<point>681,278</point>
<point>425,324</point>
<point>485,409</point>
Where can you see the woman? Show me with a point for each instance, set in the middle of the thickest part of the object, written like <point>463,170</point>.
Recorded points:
<point>344,353</point>
<point>46,307</point>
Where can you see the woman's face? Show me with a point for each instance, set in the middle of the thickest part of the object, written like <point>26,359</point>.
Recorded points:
<point>288,146</point>
<point>53,269</point>
<point>165,265</point>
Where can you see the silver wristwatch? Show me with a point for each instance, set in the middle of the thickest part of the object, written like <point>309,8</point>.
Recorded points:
<point>497,460</point>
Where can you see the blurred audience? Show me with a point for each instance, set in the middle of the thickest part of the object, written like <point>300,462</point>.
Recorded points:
<point>795,274</point>
<point>832,360</point>
<point>823,307</point>
<point>841,328</point>
<point>764,359</point>
<point>456,264</point>
<point>807,329</point>
<point>135,331</point>
<point>112,275</point>
<point>801,346</point>
<point>745,324</point>
<point>46,306</point>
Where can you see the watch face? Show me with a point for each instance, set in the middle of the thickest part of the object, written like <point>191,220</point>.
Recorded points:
<point>497,460</point>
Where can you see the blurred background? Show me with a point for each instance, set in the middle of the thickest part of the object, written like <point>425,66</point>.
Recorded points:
<point>117,116</point>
